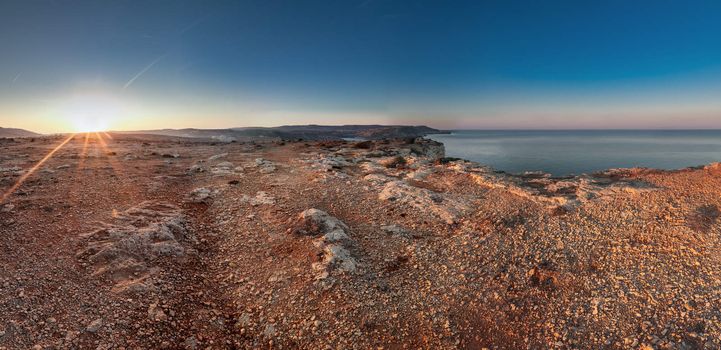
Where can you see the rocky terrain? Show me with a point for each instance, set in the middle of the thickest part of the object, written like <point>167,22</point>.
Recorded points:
<point>126,242</point>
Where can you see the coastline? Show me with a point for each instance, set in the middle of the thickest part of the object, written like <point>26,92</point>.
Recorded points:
<point>563,153</point>
<point>332,243</point>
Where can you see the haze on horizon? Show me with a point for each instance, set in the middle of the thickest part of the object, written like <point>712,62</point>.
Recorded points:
<point>129,65</point>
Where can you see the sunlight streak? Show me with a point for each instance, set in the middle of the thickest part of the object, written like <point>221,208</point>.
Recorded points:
<point>34,169</point>
<point>117,168</point>
<point>83,152</point>
<point>105,150</point>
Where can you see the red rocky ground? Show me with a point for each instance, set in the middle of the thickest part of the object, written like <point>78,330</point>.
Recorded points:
<point>146,242</point>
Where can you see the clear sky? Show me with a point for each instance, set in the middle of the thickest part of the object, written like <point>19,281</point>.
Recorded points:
<point>68,65</point>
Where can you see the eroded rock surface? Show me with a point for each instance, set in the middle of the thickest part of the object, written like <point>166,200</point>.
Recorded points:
<point>126,251</point>
<point>264,166</point>
<point>332,241</point>
<point>423,200</point>
<point>200,195</point>
<point>261,198</point>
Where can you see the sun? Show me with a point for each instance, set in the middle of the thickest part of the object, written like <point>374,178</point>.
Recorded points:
<point>83,125</point>
<point>91,113</point>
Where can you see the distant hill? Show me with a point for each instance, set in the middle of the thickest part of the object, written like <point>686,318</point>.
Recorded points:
<point>11,132</point>
<point>306,132</point>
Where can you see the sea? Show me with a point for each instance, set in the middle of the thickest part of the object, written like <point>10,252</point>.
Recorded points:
<point>574,152</point>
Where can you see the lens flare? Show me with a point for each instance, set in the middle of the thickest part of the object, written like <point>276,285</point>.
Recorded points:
<point>91,113</point>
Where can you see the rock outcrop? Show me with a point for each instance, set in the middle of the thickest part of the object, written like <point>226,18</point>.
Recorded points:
<point>264,166</point>
<point>332,242</point>
<point>226,168</point>
<point>199,195</point>
<point>328,163</point>
<point>424,200</point>
<point>127,250</point>
<point>261,198</point>
<point>430,149</point>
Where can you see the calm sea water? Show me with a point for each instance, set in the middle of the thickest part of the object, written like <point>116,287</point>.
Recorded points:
<point>584,151</point>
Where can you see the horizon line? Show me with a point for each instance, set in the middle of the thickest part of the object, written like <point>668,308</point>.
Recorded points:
<point>382,125</point>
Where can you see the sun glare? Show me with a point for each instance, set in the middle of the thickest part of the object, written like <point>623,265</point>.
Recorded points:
<point>91,113</point>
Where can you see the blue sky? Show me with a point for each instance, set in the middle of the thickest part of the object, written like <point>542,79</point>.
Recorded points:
<point>473,64</point>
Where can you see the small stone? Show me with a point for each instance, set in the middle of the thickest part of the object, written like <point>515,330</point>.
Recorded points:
<point>94,326</point>
<point>243,320</point>
<point>190,343</point>
<point>156,313</point>
<point>395,230</point>
<point>269,330</point>
<point>218,156</point>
